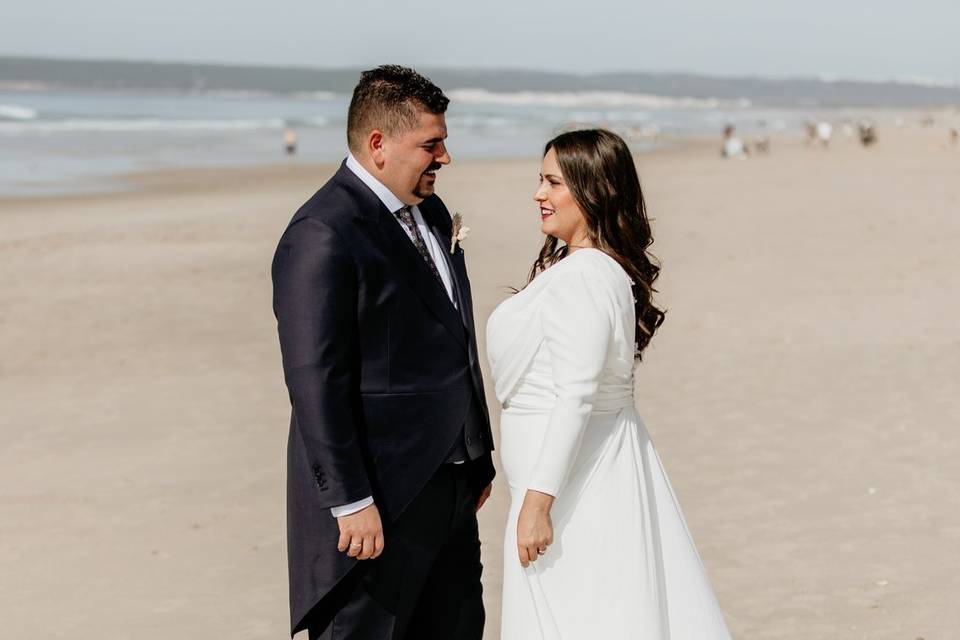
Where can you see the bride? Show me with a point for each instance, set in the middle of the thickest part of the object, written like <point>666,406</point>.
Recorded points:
<point>596,545</point>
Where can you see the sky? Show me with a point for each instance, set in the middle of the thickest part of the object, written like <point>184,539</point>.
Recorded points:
<point>772,38</point>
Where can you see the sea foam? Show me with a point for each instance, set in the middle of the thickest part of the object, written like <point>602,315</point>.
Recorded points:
<point>589,99</point>
<point>16,112</point>
<point>138,125</point>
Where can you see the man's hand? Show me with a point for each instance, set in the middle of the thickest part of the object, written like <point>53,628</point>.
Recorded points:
<point>484,495</point>
<point>361,534</point>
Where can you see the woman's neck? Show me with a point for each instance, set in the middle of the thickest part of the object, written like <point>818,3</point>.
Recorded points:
<point>579,239</point>
<point>579,243</point>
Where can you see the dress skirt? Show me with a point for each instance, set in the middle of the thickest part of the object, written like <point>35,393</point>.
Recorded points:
<point>623,564</point>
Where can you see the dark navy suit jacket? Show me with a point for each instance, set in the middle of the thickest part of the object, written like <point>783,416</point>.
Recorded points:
<point>381,369</point>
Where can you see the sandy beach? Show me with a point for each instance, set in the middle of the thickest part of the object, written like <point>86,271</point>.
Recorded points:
<point>804,392</point>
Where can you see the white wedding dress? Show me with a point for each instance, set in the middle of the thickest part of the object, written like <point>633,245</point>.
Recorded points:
<point>623,564</point>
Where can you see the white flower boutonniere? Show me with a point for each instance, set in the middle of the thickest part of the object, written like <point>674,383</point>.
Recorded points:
<point>459,233</point>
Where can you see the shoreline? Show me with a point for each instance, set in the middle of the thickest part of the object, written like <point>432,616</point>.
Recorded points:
<point>195,179</point>
<point>33,176</point>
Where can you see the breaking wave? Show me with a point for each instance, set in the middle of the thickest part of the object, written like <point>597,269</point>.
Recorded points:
<point>16,112</point>
<point>589,99</point>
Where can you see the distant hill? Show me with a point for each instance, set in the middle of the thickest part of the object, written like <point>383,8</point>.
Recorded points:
<point>800,92</point>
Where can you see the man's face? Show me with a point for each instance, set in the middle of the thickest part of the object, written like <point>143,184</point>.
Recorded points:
<point>411,159</point>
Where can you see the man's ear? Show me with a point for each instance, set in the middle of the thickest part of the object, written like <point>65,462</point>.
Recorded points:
<point>375,141</point>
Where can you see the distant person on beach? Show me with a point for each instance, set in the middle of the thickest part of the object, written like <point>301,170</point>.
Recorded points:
<point>647,131</point>
<point>868,133</point>
<point>824,133</point>
<point>733,146</point>
<point>954,136</point>
<point>290,141</point>
<point>389,449</point>
<point>811,130</point>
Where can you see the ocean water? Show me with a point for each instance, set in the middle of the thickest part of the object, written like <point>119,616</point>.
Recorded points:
<point>59,141</point>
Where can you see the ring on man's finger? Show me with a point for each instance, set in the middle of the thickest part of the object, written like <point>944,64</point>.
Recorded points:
<point>356,545</point>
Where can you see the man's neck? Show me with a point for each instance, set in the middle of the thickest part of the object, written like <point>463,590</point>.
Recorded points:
<point>368,164</point>
<point>386,195</point>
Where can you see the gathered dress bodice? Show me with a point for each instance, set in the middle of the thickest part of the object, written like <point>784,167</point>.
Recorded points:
<point>517,344</point>
<point>564,345</point>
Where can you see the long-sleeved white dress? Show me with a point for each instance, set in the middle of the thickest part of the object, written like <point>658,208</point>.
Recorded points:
<point>623,564</point>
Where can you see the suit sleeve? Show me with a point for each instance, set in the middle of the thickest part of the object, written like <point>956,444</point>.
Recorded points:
<point>314,300</point>
<point>577,327</point>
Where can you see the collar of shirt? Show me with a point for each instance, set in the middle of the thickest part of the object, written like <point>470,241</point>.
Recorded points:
<point>394,204</point>
<point>387,197</point>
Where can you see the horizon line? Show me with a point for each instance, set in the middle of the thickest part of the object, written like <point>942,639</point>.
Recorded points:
<point>821,77</point>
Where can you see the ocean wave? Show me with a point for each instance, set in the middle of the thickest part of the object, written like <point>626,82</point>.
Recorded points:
<point>588,99</point>
<point>16,112</point>
<point>138,125</point>
<point>933,82</point>
<point>540,121</point>
<point>316,121</point>
<point>482,122</point>
<point>233,93</point>
<point>307,122</point>
<point>317,95</point>
<point>609,116</point>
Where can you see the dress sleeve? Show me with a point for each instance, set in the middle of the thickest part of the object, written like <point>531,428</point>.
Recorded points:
<point>577,323</point>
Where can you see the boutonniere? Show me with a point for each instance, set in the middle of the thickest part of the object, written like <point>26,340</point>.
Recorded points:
<point>459,233</point>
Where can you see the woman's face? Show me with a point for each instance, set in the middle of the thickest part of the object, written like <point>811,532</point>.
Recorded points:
<point>560,215</point>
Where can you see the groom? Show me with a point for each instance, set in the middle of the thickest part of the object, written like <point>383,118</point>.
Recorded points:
<point>388,458</point>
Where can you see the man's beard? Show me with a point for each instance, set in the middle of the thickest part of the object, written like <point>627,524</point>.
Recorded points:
<point>423,192</point>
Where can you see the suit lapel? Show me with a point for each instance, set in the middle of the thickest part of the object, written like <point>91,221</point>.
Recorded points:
<point>439,224</point>
<point>465,304</point>
<point>408,262</point>
<point>455,263</point>
<point>403,255</point>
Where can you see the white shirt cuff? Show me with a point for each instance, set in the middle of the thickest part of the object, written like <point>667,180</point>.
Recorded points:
<point>353,507</point>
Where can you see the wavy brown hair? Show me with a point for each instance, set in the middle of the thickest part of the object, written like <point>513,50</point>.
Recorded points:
<point>599,171</point>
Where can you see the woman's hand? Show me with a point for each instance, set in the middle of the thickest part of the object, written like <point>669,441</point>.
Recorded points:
<point>534,527</point>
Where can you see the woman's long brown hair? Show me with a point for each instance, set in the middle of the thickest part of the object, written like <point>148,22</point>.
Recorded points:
<point>599,171</point>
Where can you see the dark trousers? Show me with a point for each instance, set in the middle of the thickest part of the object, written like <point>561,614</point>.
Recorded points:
<point>426,584</point>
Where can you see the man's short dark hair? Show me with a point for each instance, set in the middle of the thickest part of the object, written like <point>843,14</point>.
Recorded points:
<point>390,98</point>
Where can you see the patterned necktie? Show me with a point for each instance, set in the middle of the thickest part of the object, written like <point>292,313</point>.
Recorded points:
<point>406,217</point>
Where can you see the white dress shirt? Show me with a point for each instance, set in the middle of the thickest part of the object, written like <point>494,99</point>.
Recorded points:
<point>434,248</point>
<point>393,204</point>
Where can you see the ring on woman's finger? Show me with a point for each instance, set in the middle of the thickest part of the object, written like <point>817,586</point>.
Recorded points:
<point>356,545</point>
<point>541,551</point>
